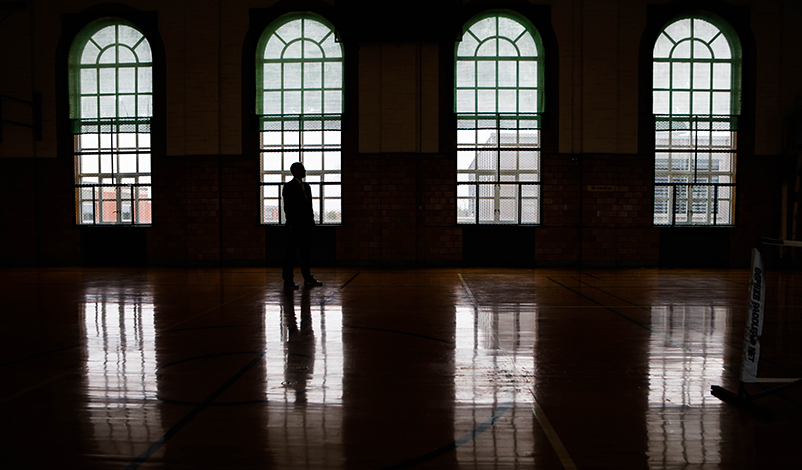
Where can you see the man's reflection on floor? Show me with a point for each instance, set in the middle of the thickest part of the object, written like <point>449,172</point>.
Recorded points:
<point>299,345</point>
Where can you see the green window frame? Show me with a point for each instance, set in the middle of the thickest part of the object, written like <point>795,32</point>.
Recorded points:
<point>111,106</point>
<point>696,102</point>
<point>299,90</point>
<point>499,103</point>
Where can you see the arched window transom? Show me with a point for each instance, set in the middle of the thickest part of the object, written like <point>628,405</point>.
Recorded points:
<point>696,100</point>
<point>300,104</point>
<point>111,101</point>
<point>499,98</point>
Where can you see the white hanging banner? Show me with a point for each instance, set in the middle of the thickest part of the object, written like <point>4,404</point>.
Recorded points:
<point>754,319</point>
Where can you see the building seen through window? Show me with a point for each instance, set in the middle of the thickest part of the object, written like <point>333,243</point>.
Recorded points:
<point>499,98</point>
<point>696,101</point>
<point>299,100</point>
<point>111,105</point>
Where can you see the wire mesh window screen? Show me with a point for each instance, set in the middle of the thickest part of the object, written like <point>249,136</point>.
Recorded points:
<point>498,98</point>
<point>111,96</point>
<point>696,99</point>
<point>299,100</point>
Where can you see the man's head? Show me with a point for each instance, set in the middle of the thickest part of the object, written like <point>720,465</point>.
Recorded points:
<point>297,169</point>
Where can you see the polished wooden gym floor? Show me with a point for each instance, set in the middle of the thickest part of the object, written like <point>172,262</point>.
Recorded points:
<point>429,368</point>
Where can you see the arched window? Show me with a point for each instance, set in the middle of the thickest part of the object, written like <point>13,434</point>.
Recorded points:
<point>111,105</point>
<point>499,98</point>
<point>299,80</point>
<point>696,100</point>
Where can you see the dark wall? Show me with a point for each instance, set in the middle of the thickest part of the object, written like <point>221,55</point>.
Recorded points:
<point>399,201</point>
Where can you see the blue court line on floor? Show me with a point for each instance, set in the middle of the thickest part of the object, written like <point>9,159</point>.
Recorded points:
<point>326,300</point>
<point>148,453</point>
<point>497,413</point>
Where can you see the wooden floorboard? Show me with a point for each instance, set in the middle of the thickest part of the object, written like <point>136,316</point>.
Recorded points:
<point>418,368</point>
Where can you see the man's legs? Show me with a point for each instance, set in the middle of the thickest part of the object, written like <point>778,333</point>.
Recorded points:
<point>300,240</point>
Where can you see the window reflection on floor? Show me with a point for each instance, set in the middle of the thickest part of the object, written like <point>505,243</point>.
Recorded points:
<point>494,369</point>
<point>685,359</point>
<point>304,375</point>
<point>121,372</point>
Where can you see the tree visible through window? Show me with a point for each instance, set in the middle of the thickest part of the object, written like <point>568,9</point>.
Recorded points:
<point>111,90</point>
<point>499,98</point>
<point>696,100</point>
<point>299,100</point>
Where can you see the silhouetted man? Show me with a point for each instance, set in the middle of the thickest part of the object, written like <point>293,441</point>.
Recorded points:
<point>300,223</point>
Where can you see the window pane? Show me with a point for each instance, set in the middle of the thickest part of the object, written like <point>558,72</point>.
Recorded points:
<point>142,52</point>
<point>90,54</point>
<point>292,102</point>
<point>333,74</point>
<point>527,101</point>
<point>507,73</point>
<point>507,101</point>
<point>312,50</point>
<point>127,106</point>
<point>663,46</point>
<point>701,102</point>
<point>144,105</point>
<point>721,77</point>
<point>144,82</point>
<point>466,101</point>
<point>467,47</point>
<point>292,76</point>
<point>681,102</point>
<point>721,103</point>
<point>660,75</point>
<point>701,51</point>
<point>506,49</point>
<point>333,102</point>
<point>721,48</point>
<point>331,48</point>
<point>108,106</point>
<point>526,46</point>
<point>509,28</point>
<point>488,48</point>
<point>487,101</point>
<point>125,56</point>
<point>486,74</point>
<point>701,76</point>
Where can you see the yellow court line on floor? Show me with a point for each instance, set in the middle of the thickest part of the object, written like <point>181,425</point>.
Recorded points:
<point>545,424</point>
<point>551,434</point>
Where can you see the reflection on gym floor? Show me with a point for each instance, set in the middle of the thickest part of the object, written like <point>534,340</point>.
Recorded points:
<point>436,368</point>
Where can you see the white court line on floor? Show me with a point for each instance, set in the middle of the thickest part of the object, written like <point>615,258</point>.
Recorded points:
<point>545,424</point>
